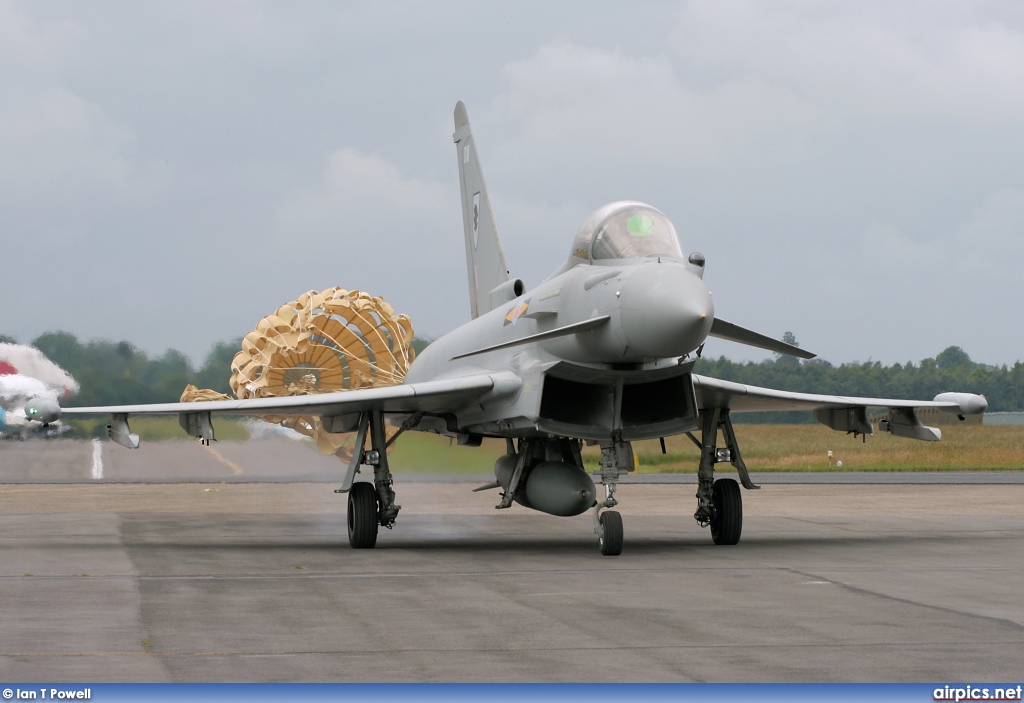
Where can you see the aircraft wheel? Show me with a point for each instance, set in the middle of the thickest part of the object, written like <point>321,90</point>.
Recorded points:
<point>362,516</point>
<point>727,522</point>
<point>610,539</point>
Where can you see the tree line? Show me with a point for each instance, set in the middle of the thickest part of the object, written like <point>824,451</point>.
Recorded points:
<point>112,373</point>
<point>119,372</point>
<point>950,370</point>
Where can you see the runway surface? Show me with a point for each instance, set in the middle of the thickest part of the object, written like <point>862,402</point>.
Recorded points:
<point>254,581</point>
<point>279,460</point>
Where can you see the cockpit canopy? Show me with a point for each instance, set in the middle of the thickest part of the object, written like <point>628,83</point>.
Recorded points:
<point>626,230</point>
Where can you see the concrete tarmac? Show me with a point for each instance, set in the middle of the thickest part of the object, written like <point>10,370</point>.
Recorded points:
<point>281,460</point>
<point>253,581</point>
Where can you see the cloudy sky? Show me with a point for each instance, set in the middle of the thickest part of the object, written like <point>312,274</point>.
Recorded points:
<point>853,172</point>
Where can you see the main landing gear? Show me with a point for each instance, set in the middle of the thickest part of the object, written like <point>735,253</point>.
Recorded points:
<point>370,505</point>
<point>362,516</point>
<point>727,519</point>
<point>719,503</point>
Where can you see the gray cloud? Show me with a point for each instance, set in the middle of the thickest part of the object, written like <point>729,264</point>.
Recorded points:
<point>853,172</point>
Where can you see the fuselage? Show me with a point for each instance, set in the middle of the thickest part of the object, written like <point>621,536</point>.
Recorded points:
<point>658,310</point>
<point>655,308</point>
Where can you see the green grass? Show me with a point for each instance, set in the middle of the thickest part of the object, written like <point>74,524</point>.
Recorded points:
<point>764,447</point>
<point>428,453</point>
<point>806,447</point>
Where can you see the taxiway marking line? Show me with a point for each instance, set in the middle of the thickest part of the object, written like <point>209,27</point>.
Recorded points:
<point>236,470</point>
<point>97,460</point>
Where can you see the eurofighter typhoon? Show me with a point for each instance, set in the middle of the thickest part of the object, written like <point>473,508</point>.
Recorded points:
<point>601,352</point>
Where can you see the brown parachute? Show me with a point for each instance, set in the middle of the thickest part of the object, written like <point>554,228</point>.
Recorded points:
<point>335,340</point>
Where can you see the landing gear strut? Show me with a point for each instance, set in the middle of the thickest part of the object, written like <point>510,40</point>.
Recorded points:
<point>719,503</point>
<point>369,505</point>
<point>616,459</point>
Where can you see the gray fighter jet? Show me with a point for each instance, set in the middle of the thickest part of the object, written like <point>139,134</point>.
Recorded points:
<point>601,352</point>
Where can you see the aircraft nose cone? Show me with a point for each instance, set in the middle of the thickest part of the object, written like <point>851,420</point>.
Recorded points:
<point>666,310</point>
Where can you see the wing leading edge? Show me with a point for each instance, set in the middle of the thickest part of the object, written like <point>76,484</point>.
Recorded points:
<point>429,396</point>
<point>439,396</point>
<point>845,413</point>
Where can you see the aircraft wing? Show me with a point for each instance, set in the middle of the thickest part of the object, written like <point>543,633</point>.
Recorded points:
<point>437,396</point>
<point>846,413</point>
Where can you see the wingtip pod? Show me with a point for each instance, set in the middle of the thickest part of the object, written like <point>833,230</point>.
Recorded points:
<point>968,403</point>
<point>461,116</point>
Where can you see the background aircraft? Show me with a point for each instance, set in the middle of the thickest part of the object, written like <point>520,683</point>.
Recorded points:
<point>602,352</point>
<point>31,390</point>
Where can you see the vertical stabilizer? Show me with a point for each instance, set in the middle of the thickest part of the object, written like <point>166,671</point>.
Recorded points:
<point>484,257</point>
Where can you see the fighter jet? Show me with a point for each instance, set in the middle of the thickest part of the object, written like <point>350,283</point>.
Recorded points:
<point>601,352</point>
<point>31,389</point>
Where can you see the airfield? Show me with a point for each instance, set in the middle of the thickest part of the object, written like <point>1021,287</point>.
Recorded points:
<point>182,563</point>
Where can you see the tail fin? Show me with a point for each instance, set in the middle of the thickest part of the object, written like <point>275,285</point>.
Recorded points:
<point>484,257</point>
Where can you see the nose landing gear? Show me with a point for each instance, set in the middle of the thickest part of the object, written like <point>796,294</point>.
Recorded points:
<point>616,459</point>
<point>609,533</point>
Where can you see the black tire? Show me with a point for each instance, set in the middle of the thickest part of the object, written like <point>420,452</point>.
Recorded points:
<point>362,516</point>
<point>727,523</point>
<point>610,540</point>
